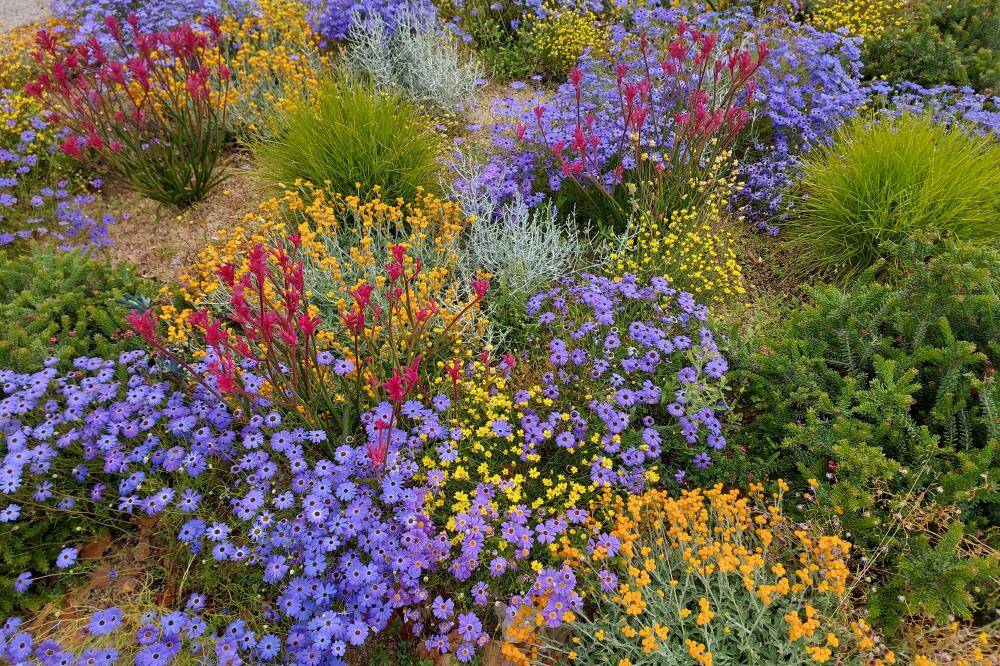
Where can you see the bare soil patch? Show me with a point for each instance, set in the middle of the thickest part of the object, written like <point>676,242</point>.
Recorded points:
<point>162,241</point>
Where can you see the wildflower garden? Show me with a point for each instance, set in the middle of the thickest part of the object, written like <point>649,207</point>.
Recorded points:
<point>510,332</point>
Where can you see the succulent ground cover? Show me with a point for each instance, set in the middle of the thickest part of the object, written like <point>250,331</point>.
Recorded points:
<point>507,333</point>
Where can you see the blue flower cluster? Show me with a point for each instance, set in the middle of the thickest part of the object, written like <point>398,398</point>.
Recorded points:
<point>618,351</point>
<point>332,19</point>
<point>342,551</point>
<point>808,87</point>
<point>946,104</point>
<point>29,205</point>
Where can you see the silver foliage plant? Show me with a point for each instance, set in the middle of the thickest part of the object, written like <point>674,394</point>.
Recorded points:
<point>524,249</point>
<point>415,57</point>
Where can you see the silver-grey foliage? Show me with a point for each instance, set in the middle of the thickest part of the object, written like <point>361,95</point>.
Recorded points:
<point>524,249</point>
<point>415,57</point>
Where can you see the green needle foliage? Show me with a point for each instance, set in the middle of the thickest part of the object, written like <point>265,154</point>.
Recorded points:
<point>942,42</point>
<point>885,394</point>
<point>63,305</point>
<point>888,180</point>
<point>351,137</point>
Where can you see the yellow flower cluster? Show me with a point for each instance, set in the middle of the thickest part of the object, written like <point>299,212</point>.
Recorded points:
<point>721,531</point>
<point>488,412</point>
<point>16,65</point>
<point>697,567</point>
<point>14,56</point>
<point>276,64</point>
<point>345,240</point>
<point>689,249</point>
<point>862,18</point>
<point>561,36</point>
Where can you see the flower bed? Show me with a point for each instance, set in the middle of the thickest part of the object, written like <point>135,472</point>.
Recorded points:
<point>547,397</point>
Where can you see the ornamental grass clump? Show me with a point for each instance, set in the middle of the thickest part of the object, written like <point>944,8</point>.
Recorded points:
<point>890,179</point>
<point>149,110</point>
<point>349,137</point>
<point>711,576</point>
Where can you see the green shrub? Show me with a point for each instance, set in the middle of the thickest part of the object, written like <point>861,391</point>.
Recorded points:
<point>948,42</point>
<point>63,305</point>
<point>885,396</point>
<point>353,137</point>
<point>886,180</point>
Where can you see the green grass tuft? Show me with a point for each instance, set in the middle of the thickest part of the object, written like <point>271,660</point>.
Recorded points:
<point>354,137</point>
<point>889,180</point>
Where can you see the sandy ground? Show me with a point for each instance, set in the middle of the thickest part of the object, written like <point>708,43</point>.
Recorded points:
<point>18,12</point>
<point>163,243</point>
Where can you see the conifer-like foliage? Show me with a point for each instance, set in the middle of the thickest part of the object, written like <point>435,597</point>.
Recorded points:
<point>63,305</point>
<point>882,400</point>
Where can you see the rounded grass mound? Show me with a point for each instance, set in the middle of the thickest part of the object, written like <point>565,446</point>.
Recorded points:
<point>887,180</point>
<point>352,137</point>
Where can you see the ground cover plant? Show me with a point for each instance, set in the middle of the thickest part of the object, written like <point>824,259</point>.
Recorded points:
<point>523,333</point>
<point>916,351</point>
<point>60,306</point>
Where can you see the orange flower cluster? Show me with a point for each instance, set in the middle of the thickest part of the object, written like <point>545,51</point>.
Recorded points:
<point>698,576</point>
